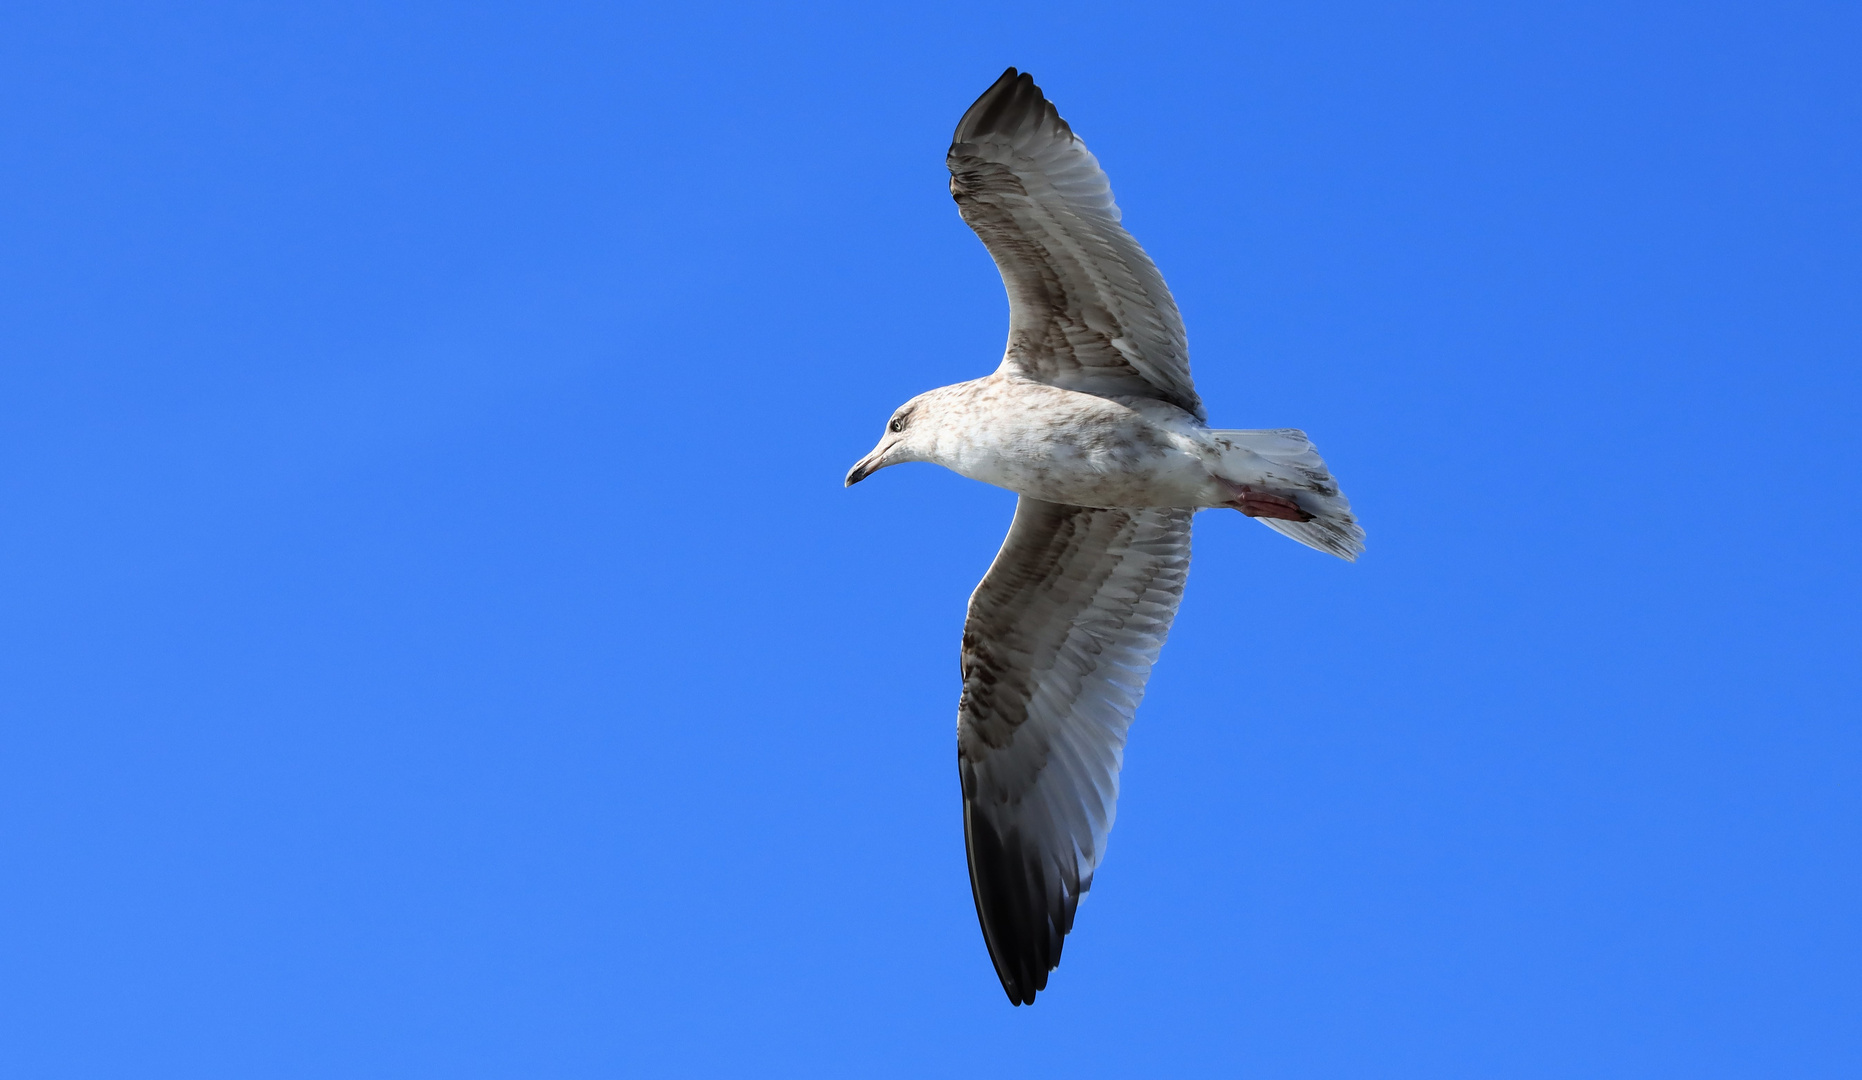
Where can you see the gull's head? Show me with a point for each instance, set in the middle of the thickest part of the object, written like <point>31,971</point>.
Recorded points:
<point>911,435</point>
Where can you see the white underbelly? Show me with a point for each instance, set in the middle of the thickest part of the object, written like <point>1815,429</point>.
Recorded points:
<point>1081,449</point>
<point>1081,477</point>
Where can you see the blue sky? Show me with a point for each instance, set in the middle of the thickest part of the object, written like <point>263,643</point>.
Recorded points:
<point>434,640</point>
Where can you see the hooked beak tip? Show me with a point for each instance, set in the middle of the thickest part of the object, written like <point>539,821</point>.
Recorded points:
<point>858,473</point>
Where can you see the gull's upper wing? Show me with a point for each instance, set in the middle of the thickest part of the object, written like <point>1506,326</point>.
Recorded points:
<point>1060,639</point>
<point>1087,308</point>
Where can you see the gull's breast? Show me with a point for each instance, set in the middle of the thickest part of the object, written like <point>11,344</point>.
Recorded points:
<point>1067,447</point>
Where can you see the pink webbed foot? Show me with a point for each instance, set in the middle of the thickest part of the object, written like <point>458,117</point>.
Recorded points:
<point>1260,504</point>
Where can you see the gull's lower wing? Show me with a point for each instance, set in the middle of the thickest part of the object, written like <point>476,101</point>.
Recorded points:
<point>1060,639</point>
<point>1087,308</point>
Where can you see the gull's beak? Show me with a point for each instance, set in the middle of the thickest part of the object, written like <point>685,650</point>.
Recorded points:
<point>886,453</point>
<point>862,469</point>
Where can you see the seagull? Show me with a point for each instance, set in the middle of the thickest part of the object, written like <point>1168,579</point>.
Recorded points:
<point>1093,421</point>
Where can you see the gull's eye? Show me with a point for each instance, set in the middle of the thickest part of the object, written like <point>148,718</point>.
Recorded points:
<point>896,426</point>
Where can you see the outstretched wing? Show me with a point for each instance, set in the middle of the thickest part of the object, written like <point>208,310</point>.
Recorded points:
<point>1087,308</point>
<point>1060,639</point>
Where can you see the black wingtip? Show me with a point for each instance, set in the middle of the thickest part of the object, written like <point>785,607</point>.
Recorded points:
<point>1007,106</point>
<point>1024,922</point>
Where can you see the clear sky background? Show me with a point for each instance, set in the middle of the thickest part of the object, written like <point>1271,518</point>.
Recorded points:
<point>435,642</point>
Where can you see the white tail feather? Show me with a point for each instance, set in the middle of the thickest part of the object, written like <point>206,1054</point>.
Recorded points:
<point>1283,461</point>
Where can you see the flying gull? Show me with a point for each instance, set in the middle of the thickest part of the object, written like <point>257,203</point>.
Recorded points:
<point>1093,420</point>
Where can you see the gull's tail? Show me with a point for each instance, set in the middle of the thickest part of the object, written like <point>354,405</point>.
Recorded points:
<point>1282,462</point>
